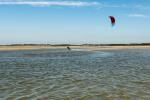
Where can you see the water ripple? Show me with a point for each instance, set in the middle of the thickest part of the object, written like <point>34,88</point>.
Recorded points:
<point>75,75</point>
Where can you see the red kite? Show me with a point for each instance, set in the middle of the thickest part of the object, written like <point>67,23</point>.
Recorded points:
<point>113,21</point>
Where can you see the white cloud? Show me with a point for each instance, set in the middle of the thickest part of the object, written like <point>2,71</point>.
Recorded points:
<point>142,7</point>
<point>73,3</point>
<point>138,15</point>
<point>48,3</point>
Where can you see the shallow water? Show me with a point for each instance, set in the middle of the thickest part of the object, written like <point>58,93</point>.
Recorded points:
<point>75,75</point>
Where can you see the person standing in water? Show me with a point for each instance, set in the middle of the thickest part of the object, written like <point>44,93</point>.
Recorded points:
<point>69,48</point>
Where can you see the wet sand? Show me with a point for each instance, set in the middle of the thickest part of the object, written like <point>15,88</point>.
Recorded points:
<point>11,48</point>
<point>93,48</point>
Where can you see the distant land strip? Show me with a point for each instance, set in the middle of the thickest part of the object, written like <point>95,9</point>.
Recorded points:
<point>132,44</point>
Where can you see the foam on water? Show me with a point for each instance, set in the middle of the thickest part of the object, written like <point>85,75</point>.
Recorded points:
<point>80,50</point>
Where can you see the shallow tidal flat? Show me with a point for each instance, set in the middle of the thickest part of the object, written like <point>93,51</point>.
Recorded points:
<point>59,74</point>
<point>90,47</point>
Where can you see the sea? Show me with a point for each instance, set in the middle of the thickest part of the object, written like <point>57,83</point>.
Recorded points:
<point>79,74</point>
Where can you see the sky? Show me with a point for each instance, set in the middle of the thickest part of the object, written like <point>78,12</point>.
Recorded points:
<point>74,21</point>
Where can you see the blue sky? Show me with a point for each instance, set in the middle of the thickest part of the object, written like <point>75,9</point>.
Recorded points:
<point>74,21</point>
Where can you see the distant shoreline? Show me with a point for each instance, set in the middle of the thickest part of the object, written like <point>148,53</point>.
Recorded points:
<point>130,44</point>
<point>92,47</point>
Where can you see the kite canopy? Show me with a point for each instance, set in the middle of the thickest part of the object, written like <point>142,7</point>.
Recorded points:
<point>113,21</point>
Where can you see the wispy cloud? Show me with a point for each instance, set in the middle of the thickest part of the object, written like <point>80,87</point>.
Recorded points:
<point>139,6</point>
<point>138,15</point>
<point>49,3</point>
<point>71,3</point>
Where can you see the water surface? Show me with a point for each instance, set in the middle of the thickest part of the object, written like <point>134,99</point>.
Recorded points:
<point>59,74</point>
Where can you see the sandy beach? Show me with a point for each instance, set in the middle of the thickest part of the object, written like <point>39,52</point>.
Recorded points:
<point>93,48</point>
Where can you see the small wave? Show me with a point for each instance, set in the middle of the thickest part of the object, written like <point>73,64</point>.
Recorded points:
<point>80,50</point>
<point>101,54</point>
